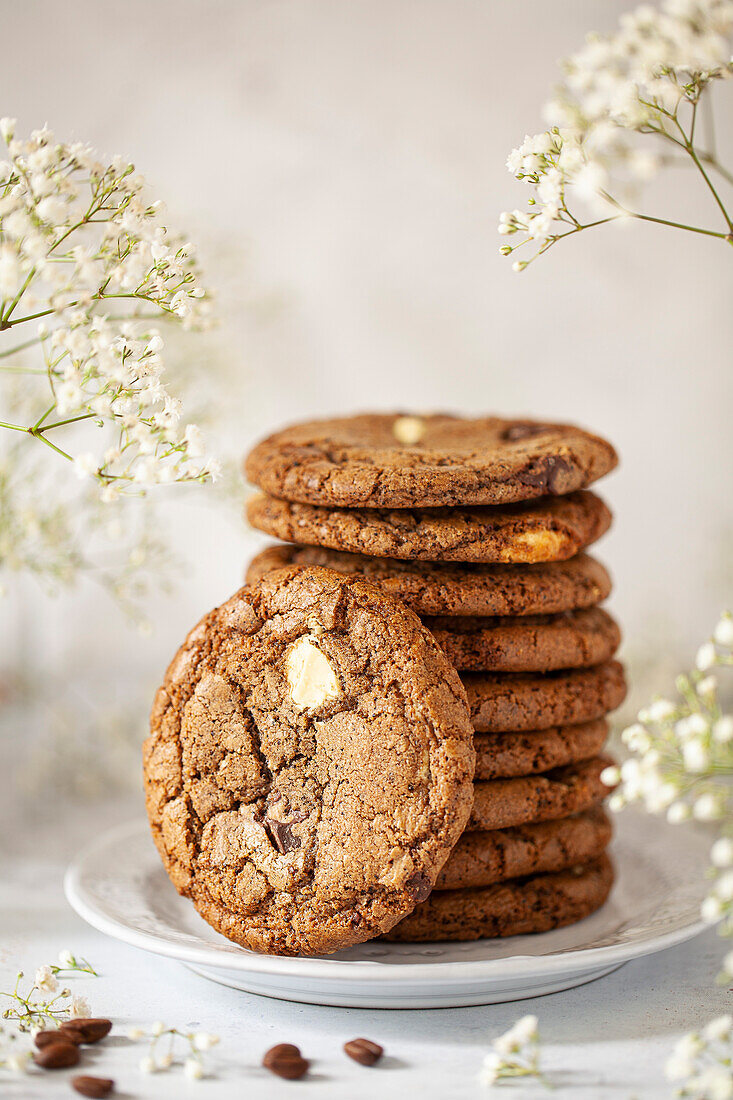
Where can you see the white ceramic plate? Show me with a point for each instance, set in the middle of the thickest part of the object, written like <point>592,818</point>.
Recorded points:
<point>119,886</point>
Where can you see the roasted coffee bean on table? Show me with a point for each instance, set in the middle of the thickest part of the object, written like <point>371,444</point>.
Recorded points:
<point>285,1060</point>
<point>364,1051</point>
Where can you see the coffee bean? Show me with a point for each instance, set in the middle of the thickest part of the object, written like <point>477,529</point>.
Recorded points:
<point>57,1055</point>
<point>364,1051</point>
<point>45,1038</point>
<point>286,1061</point>
<point>89,1030</point>
<point>94,1087</point>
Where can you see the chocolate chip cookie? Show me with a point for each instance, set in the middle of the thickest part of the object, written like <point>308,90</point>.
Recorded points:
<point>513,908</point>
<point>310,763</point>
<point>505,755</point>
<point>530,643</point>
<point>500,702</point>
<point>553,529</point>
<point>406,461</point>
<point>439,588</point>
<point>481,859</point>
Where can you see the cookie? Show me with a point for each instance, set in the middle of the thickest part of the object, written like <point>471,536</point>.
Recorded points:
<point>553,529</point>
<point>504,803</point>
<point>438,588</point>
<point>504,755</point>
<point>500,702</point>
<point>514,908</point>
<point>532,643</point>
<point>397,461</point>
<point>481,859</point>
<point>310,763</point>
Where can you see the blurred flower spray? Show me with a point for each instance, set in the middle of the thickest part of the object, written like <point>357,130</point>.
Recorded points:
<point>88,275</point>
<point>631,104</point>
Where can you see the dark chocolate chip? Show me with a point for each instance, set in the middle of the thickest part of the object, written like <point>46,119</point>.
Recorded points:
<point>419,886</point>
<point>281,834</point>
<point>524,430</point>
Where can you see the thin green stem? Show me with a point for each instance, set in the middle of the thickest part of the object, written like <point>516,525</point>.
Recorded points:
<point>70,420</point>
<point>41,436</point>
<point>48,412</point>
<point>20,347</point>
<point>13,427</point>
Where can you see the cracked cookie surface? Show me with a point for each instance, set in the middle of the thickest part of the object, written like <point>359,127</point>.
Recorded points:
<point>378,460</point>
<point>553,529</point>
<point>440,588</point>
<point>310,763</point>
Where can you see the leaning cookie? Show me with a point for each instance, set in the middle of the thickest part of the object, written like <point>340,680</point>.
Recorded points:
<point>380,460</point>
<point>481,859</point>
<point>441,588</point>
<point>513,908</point>
<point>310,763</point>
<point>553,529</point>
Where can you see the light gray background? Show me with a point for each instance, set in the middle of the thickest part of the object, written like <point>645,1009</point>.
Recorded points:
<point>342,165</point>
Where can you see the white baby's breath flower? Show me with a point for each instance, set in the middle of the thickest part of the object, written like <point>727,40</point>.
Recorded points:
<point>705,657</point>
<point>707,807</point>
<point>147,1064</point>
<point>85,465</point>
<point>202,1040</point>
<point>611,776</point>
<point>193,1069</point>
<point>719,1029</point>
<point>135,1033</point>
<point>723,729</point>
<point>45,980</point>
<point>723,633</point>
<point>678,812</point>
<point>696,756</point>
<point>711,909</point>
<point>79,1007</point>
<point>721,853</point>
<point>157,1028</point>
<point>66,959</point>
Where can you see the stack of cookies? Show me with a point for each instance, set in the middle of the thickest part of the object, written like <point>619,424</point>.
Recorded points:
<point>480,527</point>
<point>397,727</point>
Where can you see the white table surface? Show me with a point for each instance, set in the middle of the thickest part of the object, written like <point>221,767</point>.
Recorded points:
<point>607,1039</point>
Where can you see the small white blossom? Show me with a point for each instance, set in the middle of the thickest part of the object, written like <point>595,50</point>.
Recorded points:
<point>157,1028</point>
<point>721,853</point>
<point>79,1007</point>
<point>147,1064</point>
<point>66,959</point>
<point>202,1040</point>
<point>193,1069</point>
<point>135,1033</point>
<point>45,980</point>
<point>706,657</point>
<point>723,633</point>
<point>707,807</point>
<point>719,1029</point>
<point>678,812</point>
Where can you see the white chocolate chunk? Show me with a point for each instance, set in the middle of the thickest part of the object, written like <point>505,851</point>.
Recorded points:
<point>408,429</point>
<point>311,678</point>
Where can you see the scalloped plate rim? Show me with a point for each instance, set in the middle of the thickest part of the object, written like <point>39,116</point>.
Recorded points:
<point>229,957</point>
